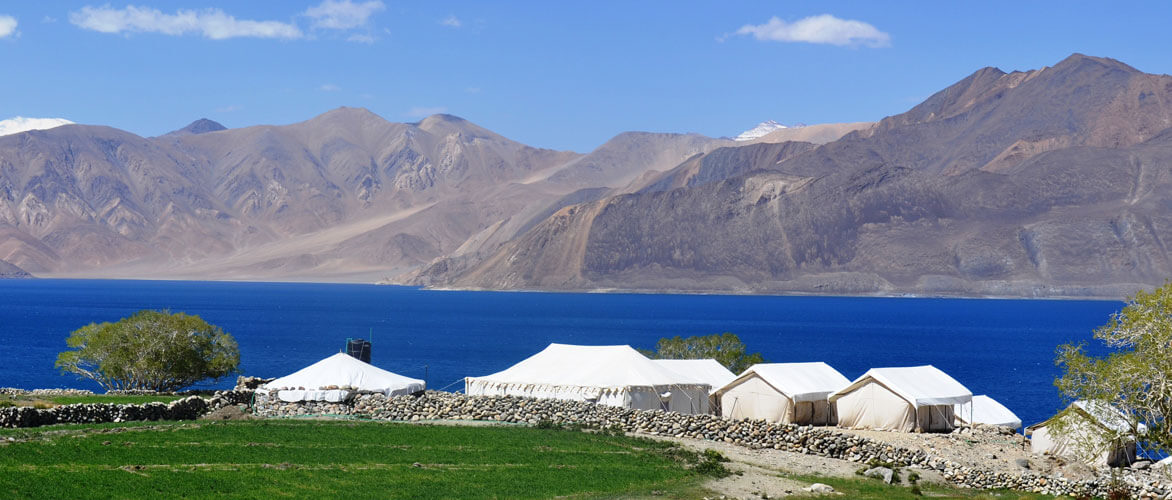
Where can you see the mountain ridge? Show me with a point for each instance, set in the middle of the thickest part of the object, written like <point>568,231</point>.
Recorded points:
<point>947,198</point>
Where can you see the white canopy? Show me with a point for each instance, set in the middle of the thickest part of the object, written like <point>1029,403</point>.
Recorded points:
<point>802,382</point>
<point>919,385</point>
<point>986,410</point>
<point>615,375</point>
<point>707,371</point>
<point>336,377</point>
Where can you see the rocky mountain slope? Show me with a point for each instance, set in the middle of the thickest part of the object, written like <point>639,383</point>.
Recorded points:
<point>345,196</point>
<point>1052,182</point>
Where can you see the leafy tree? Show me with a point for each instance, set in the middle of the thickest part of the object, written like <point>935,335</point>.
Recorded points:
<point>1135,377</point>
<point>726,348</point>
<point>151,350</point>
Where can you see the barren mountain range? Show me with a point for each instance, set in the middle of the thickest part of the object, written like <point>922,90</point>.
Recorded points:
<point>1053,182</point>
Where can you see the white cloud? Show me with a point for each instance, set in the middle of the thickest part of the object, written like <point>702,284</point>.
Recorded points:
<point>18,124</point>
<point>818,29</point>
<point>424,111</point>
<point>452,21</point>
<point>210,23</point>
<point>358,38</point>
<point>228,109</point>
<point>472,90</point>
<point>342,14</point>
<point>329,87</point>
<point>7,26</point>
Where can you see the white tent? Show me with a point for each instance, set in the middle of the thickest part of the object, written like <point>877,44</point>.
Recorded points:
<point>614,375</point>
<point>1102,435</point>
<point>986,410</point>
<point>338,377</point>
<point>915,398</point>
<point>708,371</point>
<point>783,392</point>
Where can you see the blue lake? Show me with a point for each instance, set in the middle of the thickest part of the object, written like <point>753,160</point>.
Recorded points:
<point>1004,348</point>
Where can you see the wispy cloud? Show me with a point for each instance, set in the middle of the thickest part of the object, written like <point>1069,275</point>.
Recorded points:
<point>228,109</point>
<point>329,87</point>
<point>424,111</point>
<point>818,29</point>
<point>7,26</point>
<point>342,14</point>
<point>361,38</point>
<point>209,23</point>
<point>452,21</point>
<point>472,90</point>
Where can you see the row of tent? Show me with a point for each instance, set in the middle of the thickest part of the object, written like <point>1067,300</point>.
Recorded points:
<point>920,398</point>
<point>903,399</point>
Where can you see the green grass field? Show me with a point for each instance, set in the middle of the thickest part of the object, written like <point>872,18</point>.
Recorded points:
<point>331,459</point>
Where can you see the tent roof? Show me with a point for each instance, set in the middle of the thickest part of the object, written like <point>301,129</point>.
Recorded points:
<point>588,366</point>
<point>343,370</point>
<point>986,410</point>
<point>798,381</point>
<point>705,371</point>
<point>919,385</point>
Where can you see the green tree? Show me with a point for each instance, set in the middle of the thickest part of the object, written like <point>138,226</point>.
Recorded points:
<point>726,348</point>
<point>151,350</point>
<point>1134,377</point>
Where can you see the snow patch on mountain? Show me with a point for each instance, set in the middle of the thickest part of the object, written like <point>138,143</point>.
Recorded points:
<point>18,124</point>
<point>761,130</point>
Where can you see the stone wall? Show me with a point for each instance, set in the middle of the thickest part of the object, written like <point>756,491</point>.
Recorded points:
<point>755,434</point>
<point>189,408</point>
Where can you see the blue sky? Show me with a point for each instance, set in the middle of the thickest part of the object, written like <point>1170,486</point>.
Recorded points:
<point>562,75</point>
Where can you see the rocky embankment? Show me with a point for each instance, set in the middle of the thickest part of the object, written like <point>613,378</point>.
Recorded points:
<point>756,434</point>
<point>188,408</point>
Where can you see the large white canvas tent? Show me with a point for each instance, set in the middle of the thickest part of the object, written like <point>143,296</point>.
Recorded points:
<point>339,377</point>
<point>1097,434</point>
<point>914,398</point>
<point>986,410</point>
<point>615,375</point>
<point>783,392</point>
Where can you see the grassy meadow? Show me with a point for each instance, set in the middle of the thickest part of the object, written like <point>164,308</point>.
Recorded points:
<point>332,459</point>
<point>268,459</point>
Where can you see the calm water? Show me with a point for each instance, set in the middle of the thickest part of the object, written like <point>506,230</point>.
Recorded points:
<point>1004,348</point>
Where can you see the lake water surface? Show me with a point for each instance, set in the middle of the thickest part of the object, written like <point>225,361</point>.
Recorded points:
<point>1003,348</point>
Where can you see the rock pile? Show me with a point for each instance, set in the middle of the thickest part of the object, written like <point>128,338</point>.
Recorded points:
<point>189,408</point>
<point>11,391</point>
<point>755,434</point>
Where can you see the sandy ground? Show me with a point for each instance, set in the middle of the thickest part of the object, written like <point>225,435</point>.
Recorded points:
<point>761,469</point>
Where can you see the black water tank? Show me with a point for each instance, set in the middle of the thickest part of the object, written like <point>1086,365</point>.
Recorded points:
<point>360,349</point>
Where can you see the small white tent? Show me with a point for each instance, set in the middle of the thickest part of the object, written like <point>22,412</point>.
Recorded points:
<point>783,392</point>
<point>915,398</point>
<point>614,375</point>
<point>339,377</point>
<point>1102,435</point>
<point>708,371</point>
<point>986,410</point>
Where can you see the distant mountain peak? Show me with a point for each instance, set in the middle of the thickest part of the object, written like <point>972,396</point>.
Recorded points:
<point>1076,61</point>
<point>349,114</point>
<point>18,124</point>
<point>200,126</point>
<point>761,130</point>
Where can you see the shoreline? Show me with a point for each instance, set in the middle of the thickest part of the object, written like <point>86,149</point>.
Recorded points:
<point>599,290</point>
